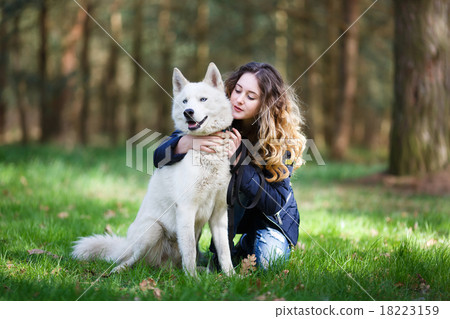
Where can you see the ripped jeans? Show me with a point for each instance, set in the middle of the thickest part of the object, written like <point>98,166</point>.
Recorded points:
<point>269,246</point>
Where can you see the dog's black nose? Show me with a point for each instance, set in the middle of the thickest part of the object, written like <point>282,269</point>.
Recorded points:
<point>188,114</point>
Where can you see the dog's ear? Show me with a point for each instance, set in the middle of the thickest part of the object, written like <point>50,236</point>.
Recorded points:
<point>213,77</point>
<point>178,81</point>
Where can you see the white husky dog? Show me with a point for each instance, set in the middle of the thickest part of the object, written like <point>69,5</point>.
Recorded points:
<point>181,197</point>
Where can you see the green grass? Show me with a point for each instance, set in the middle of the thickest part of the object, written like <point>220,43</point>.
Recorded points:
<point>395,246</point>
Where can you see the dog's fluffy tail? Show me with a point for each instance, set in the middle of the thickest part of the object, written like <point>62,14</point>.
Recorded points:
<point>107,247</point>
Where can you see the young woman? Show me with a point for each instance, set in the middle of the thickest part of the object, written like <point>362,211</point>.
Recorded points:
<point>264,112</point>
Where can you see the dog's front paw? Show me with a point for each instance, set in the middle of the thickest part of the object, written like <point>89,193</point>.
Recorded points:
<point>118,269</point>
<point>230,272</point>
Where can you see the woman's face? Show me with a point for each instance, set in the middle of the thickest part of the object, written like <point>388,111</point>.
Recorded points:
<point>246,97</point>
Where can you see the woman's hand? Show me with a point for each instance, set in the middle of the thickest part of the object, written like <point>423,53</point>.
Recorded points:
<point>210,143</point>
<point>203,143</point>
<point>235,141</point>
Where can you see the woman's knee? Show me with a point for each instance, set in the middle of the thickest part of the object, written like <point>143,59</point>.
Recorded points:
<point>271,248</point>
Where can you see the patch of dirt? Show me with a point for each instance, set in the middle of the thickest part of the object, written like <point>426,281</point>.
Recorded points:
<point>437,184</point>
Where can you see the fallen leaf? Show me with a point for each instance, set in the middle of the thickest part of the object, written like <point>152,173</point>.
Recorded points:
<point>23,181</point>
<point>300,286</point>
<point>431,242</point>
<point>40,251</point>
<point>108,229</point>
<point>248,264</point>
<point>78,289</point>
<point>56,271</point>
<point>258,283</point>
<point>261,298</point>
<point>399,285</point>
<point>109,214</point>
<point>157,293</point>
<point>63,215</point>
<point>264,296</point>
<point>147,284</point>
<point>424,287</point>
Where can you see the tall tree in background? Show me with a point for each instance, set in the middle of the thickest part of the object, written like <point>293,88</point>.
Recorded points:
<point>20,83</point>
<point>109,86</point>
<point>202,28</point>
<point>137,75</point>
<point>85,71</point>
<point>66,86</point>
<point>3,68</point>
<point>45,111</point>
<point>312,94</point>
<point>420,133</point>
<point>348,80</point>
<point>331,61</point>
<point>281,42</point>
<point>247,39</point>
<point>166,39</point>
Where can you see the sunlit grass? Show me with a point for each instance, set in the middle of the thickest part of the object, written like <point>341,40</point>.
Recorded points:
<point>394,245</point>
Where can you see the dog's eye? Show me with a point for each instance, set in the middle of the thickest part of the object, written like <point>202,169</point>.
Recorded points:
<point>184,101</point>
<point>203,99</point>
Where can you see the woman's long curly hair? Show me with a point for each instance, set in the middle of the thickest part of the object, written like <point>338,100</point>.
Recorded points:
<point>279,120</point>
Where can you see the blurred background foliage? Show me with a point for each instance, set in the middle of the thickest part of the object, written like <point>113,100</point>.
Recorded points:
<point>64,80</point>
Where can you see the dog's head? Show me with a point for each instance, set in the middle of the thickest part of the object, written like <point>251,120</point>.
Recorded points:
<point>200,108</point>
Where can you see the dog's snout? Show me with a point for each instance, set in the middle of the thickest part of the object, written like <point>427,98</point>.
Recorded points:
<point>188,113</point>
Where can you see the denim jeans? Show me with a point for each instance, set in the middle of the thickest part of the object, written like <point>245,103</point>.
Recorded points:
<point>269,246</point>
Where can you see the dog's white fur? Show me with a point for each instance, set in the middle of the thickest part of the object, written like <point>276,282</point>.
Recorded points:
<point>181,197</point>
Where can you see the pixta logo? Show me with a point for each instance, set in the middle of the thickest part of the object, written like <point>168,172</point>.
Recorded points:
<point>140,148</point>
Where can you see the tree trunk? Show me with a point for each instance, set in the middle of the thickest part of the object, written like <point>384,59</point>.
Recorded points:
<point>331,62</point>
<point>202,39</point>
<point>133,106</point>
<point>110,87</point>
<point>65,89</point>
<point>420,134</point>
<point>45,111</point>
<point>162,121</point>
<point>281,26</point>
<point>246,40</point>
<point>348,80</point>
<point>85,69</point>
<point>20,85</point>
<point>3,70</point>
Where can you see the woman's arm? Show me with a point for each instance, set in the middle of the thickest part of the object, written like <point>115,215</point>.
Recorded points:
<point>165,153</point>
<point>175,148</point>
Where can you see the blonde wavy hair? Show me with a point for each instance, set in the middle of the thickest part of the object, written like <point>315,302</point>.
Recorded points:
<point>279,120</point>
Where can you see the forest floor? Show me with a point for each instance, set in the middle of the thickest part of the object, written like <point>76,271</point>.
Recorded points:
<point>363,235</point>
